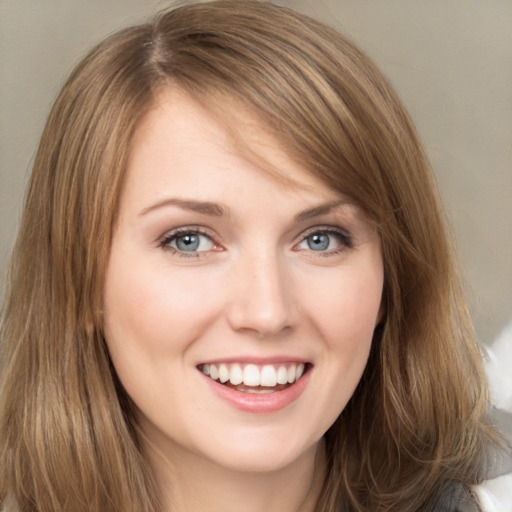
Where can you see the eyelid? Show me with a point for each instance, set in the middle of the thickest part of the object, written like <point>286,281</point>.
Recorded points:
<point>326,228</point>
<point>183,230</point>
<point>165,240</point>
<point>345,236</point>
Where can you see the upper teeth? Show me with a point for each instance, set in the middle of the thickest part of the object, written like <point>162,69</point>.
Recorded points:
<point>253,375</point>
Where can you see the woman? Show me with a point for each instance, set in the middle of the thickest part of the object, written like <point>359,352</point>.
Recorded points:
<point>232,288</point>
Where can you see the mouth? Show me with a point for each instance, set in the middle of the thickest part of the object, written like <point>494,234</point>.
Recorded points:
<point>256,378</point>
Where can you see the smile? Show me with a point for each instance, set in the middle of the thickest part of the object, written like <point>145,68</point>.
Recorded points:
<point>253,378</point>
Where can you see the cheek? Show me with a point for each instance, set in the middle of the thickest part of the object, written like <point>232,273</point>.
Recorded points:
<point>349,309</point>
<point>343,318</point>
<point>151,319</point>
<point>146,306</point>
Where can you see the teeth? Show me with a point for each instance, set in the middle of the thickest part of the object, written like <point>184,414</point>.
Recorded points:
<point>214,372</point>
<point>236,375</point>
<point>223,373</point>
<point>254,376</point>
<point>251,375</point>
<point>268,376</point>
<point>291,374</point>
<point>282,375</point>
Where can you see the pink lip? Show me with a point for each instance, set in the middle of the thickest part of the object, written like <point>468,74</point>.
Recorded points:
<point>256,360</point>
<point>258,403</point>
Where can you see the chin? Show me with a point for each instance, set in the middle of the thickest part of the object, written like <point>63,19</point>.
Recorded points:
<point>263,460</point>
<point>257,450</point>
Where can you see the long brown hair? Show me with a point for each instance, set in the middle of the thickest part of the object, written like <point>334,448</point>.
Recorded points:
<point>68,440</point>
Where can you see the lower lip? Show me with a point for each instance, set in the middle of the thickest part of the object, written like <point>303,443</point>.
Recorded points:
<point>259,403</point>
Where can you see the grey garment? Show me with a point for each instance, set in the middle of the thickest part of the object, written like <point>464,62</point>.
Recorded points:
<point>458,501</point>
<point>498,463</point>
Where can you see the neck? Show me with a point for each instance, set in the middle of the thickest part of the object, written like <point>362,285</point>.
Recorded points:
<point>189,482</point>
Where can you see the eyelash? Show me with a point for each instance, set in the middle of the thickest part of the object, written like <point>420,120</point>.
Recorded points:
<point>165,242</point>
<point>343,236</point>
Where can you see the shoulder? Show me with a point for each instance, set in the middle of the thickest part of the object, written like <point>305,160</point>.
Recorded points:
<point>495,492</point>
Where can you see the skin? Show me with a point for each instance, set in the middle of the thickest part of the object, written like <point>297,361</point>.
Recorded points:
<point>255,290</point>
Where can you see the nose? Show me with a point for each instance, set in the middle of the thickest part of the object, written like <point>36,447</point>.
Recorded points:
<point>261,301</point>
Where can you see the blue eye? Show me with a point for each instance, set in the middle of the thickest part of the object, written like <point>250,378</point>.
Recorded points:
<point>189,241</point>
<point>325,241</point>
<point>318,241</point>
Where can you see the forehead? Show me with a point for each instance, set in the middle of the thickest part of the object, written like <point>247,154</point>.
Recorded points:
<point>178,129</point>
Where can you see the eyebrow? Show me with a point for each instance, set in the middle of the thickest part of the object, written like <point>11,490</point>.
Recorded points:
<point>217,210</point>
<point>320,210</point>
<point>204,207</point>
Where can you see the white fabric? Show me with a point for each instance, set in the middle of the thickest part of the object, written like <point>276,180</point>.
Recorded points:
<point>496,495</point>
<point>499,369</point>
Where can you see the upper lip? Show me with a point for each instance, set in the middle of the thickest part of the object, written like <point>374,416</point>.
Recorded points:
<point>256,360</point>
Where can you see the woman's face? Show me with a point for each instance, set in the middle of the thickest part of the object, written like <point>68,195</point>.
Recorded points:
<point>239,308</point>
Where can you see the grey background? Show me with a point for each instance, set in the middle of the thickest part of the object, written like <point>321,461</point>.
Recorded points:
<point>450,60</point>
